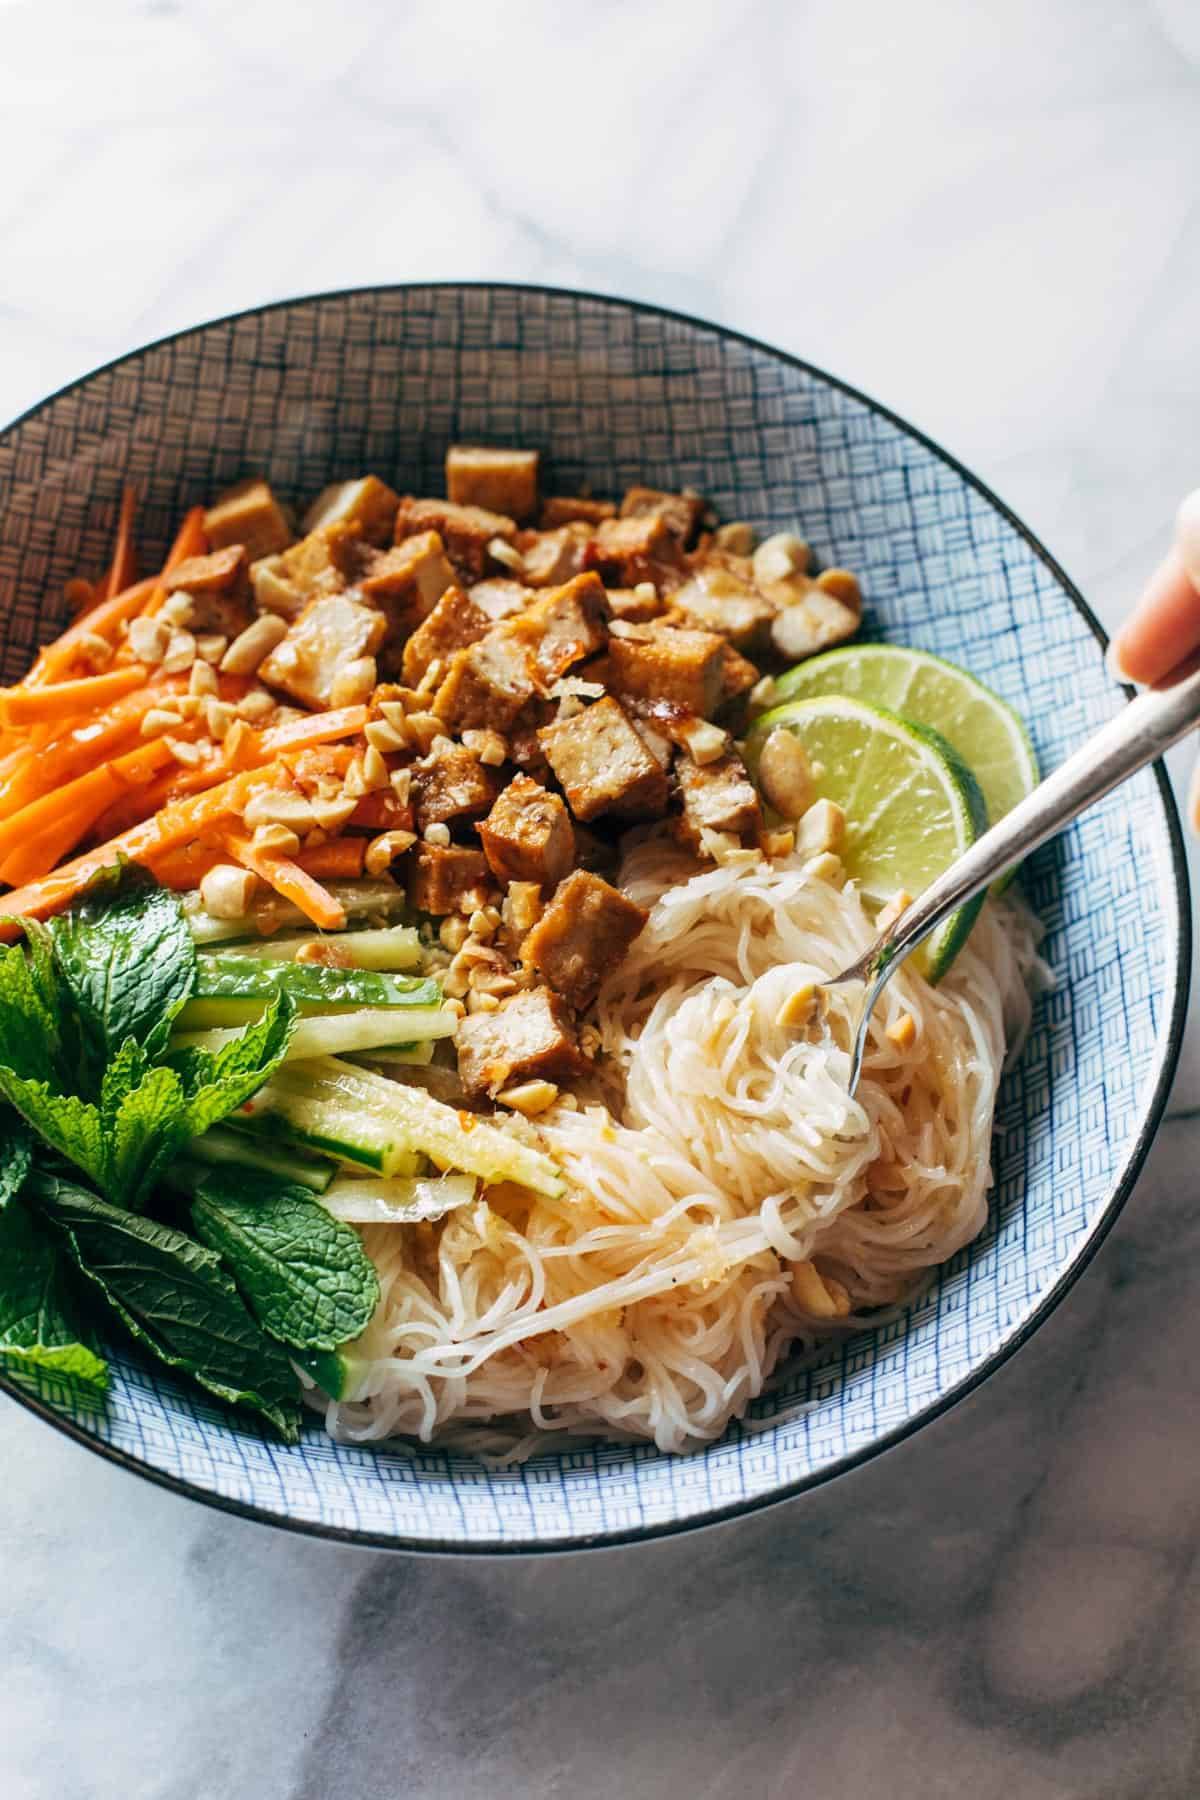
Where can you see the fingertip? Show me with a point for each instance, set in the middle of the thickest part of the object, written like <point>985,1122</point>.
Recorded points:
<point>1187,535</point>
<point>1112,659</point>
<point>1193,799</point>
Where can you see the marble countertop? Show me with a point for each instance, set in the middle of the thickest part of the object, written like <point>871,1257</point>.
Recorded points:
<point>988,219</point>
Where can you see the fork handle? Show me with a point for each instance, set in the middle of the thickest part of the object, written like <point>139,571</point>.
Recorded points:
<point>1142,731</point>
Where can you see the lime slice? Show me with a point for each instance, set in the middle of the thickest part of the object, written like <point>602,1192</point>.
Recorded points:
<point>911,804</point>
<point>986,732</point>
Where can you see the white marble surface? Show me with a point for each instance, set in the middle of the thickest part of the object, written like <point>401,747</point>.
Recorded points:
<point>986,216</point>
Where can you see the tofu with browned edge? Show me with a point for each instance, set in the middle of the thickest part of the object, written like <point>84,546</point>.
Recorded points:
<point>250,515</point>
<point>549,558</point>
<point>570,509</point>
<point>681,667</point>
<point>528,835</point>
<point>405,582</point>
<point>446,878</point>
<point>218,587</point>
<point>643,548</point>
<point>603,764</point>
<point>328,635</point>
<point>368,505</point>
<point>530,1036</point>
<point>680,513</point>
<point>582,936</point>
<point>721,596</point>
<point>466,531</point>
<point>564,626</point>
<point>717,796</point>
<point>499,481</point>
<point>451,785</point>
<point>486,685</point>
<point>454,624</point>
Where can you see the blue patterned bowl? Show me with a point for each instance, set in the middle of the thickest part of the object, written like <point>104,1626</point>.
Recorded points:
<point>615,393</point>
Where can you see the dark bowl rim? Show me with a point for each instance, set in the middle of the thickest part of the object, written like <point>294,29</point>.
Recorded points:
<point>1155,1105</point>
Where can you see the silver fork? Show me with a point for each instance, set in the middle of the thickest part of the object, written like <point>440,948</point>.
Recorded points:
<point>1146,728</point>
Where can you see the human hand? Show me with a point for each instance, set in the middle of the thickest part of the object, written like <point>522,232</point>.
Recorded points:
<point>1163,629</point>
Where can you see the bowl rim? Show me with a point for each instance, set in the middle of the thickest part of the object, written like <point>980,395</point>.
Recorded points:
<point>1157,1093</point>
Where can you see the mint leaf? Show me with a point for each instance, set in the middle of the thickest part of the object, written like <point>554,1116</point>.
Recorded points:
<point>68,1124</point>
<point>125,963</point>
<point>144,1127</point>
<point>29,1036</point>
<point>306,1275</point>
<point>37,1327</point>
<point>173,1297</point>
<point>16,1154</point>
<point>216,1083</point>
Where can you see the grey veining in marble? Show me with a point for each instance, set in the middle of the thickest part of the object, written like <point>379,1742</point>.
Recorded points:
<point>988,217</point>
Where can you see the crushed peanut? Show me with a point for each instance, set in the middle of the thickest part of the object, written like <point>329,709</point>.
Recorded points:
<point>177,609</point>
<point>384,849</point>
<point>826,867</point>
<point>507,554</point>
<point>822,827</point>
<point>645,590</point>
<point>478,1000</point>
<point>779,556</point>
<point>148,639</point>
<point>704,742</point>
<point>255,705</point>
<point>159,719</point>
<point>211,646</point>
<point>738,538</point>
<point>438,834</point>
<point>190,755</point>
<point>424,726</point>
<point>784,775</point>
<point>276,839</point>
<point>393,711</point>
<point>253,645</point>
<point>203,679</point>
<point>226,891</point>
<point>384,738</point>
<point>797,1009</point>
<point>899,903</point>
<point>181,652</point>
<point>219,716</point>
<point>454,932</point>
<point>529,1097</point>
<point>401,785</point>
<point>820,1296</point>
<point>903,1033</point>
<point>374,769</point>
<point>268,807</point>
<point>355,784</point>
<point>779,843</point>
<point>94,649</point>
<point>332,814</point>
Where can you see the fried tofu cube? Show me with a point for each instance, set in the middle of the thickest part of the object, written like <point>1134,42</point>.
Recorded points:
<point>466,531</point>
<point>250,515</point>
<point>570,509</point>
<point>405,582</point>
<point>721,596</point>
<point>738,675</point>
<point>549,558</point>
<point>500,597</point>
<point>328,635</point>
<point>531,1035</point>
<point>216,573</point>
<point>637,606</point>
<point>643,548</point>
<point>717,796</point>
<point>815,621</point>
<point>323,563</point>
<point>603,764</point>
<point>368,505</point>
<point>680,513</point>
<point>682,668</point>
<point>582,936</point>
<point>528,835</point>
<point>218,588</point>
<point>486,685</point>
<point>450,785</point>
<point>564,626</point>
<point>454,623</point>
<point>446,878</point>
<point>499,481</point>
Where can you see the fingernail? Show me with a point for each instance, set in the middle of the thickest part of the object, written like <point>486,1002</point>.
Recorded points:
<point>1193,799</point>
<point>1187,536</point>
<point>1112,658</point>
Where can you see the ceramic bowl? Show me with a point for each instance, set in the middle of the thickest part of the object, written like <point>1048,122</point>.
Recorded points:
<point>383,379</point>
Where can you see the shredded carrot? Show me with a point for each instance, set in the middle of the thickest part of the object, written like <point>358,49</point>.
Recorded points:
<point>289,880</point>
<point>55,660</point>
<point>339,860</point>
<point>124,563</point>
<point>189,541</point>
<point>82,799</point>
<point>68,699</point>
<point>319,728</point>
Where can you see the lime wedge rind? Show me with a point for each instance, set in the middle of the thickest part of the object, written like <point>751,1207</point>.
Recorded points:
<point>912,805</point>
<point>928,691</point>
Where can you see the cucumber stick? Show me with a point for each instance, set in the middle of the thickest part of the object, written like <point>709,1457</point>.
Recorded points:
<point>334,1034</point>
<point>379,1124</point>
<point>220,1146</point>
<point>401,1201</point>
<point>232,990</point>
<point>396,948</point>
<point>363,902</point>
